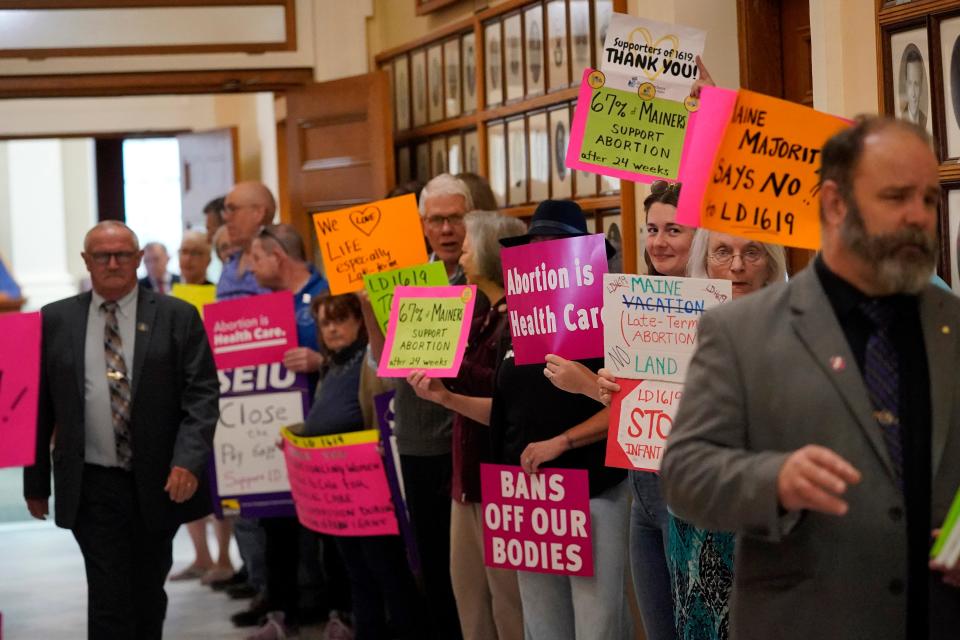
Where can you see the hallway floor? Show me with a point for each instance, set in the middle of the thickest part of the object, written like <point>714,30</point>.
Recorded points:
<point>43,590</point>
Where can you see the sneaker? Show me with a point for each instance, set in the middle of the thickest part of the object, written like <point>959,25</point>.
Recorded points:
<point>273,628</point>
<point>337,629</point>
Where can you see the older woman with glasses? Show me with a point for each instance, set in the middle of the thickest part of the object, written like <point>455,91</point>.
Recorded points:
<point>701,561</point>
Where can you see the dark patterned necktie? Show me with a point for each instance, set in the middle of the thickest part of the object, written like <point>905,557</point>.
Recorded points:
<point>882,377</point>
<point>119,385</point>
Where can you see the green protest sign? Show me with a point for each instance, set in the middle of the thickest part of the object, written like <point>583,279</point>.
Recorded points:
<point>380,286</point>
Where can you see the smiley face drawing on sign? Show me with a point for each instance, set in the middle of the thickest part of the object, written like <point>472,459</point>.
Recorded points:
<point>366,220</point>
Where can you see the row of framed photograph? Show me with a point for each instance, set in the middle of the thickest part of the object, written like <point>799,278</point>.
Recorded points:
<point>526,159</point>
<point>540,48</point>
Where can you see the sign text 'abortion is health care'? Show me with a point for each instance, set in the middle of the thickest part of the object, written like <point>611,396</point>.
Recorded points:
<point>538,522</point>
<point>250,331</point>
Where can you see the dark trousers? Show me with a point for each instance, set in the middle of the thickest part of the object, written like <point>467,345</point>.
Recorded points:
<point>284,541</point>
<point>426,480</point>
<point>381,584</point>
<point>126,564</point>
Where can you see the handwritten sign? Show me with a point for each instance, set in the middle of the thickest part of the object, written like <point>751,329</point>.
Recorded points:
<point>428,330</point>
<point>538,522</point>
<point>704,133</point>
<point>554,298</point>
<point>658,54</point>
<point>651,322</point>
<point>199,295</point>
<point>380,286</point>
<point>765,179</point>
<point>250,331</point>
<point>19,387</point>
<point>338,484</point>
<point>375,237</point>
<point>256,402</point>
<point>641,417</point>
<point>617,133</point>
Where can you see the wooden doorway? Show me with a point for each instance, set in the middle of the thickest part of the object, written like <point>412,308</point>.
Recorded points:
<point>775,59</point>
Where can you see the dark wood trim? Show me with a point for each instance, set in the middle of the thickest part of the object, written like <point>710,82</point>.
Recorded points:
<point>587,204</point>
<point>99,135</point>
<point>759,29</point>
<point>943,227</point>
<point>109,169</point>
<point>423,7</point>
<point>289,43</point>
<point>913,10</point>
<point>153,83</point>
<point>442,33</point>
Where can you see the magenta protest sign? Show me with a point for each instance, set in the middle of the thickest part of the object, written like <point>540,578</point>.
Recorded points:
<point>538,522</point>
<point>249,331</point>
<point>554,298</point>
<point>19,387</point>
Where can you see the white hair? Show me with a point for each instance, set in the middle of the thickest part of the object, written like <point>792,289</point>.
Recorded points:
<point>697,260</point>
<point>445,185</point>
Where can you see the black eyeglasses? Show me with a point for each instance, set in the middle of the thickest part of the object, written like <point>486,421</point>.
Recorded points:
<point>122,257</point>
<point>659,187</point>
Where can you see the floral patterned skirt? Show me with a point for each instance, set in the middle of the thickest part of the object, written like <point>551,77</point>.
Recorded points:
<point>701,577</point>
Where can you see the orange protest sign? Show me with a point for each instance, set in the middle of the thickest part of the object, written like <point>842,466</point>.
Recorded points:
<point>369,238</point>
<point>765,179</point>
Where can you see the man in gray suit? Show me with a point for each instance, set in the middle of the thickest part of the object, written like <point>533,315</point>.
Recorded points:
<point>129,397</point>
<point>821,419</point>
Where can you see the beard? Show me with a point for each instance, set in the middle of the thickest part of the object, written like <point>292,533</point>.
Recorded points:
<point>896,272</point>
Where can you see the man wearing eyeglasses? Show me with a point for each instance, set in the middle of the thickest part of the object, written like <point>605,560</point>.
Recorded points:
<point>247,207</point>
<point>129,398</point>
<point>821,419</point>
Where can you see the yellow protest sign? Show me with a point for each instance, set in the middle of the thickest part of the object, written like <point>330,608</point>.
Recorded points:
<point>369,238</point>
<point>196,294</point>
<point>765,181</point>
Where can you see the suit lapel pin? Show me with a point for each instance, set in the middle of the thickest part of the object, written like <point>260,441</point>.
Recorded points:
<point>837,363</point>
<point>142,327</point>
<point>945,330</point>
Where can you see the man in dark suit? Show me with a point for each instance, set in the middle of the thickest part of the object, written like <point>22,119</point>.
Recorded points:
<point>129,397</point>
<point>821,419</point>
<point>156,259</point>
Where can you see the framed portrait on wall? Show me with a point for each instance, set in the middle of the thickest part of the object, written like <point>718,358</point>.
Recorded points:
<point>497,160</point>
<point>513,56</point>
<point>579,38</point>
<point>423,162</point>
<point>952,248</point>
<point>403,165</point>
<point>950,64</point>
<point>418,63</point>
<point>493,63</point>
<point>558,67</point>
<point>538,142</point>
<point>603,11</point>
<point>451,74</point>
<point>910,65</point>
<point>517,161</point>
<point>468,48</point>
<point>471,152</point>
<point>438,156</point>
<point>435,83</point>
<point>560,180</point>
<point>533,35</point>
<point>609,185</point>
<point>401,92</point>
<point>454,154</point>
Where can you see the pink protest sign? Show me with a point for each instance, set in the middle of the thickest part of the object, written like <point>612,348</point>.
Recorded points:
<point>554,297</point>
<point>428,330</point>
<point>538,522</point>
<point>249,331</point>
<point>641,417</point>
<point>339,485</point>
<point>704,135</point>
<point>19,387</point>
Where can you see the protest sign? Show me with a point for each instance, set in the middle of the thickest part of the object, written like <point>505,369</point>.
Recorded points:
<point>369,238</point>
<point>641,416</point>
<point>380,286</point>
<point>659,54</point>
<point>428,330</point>
<point>19,387</point>
<point>765,179</point>
<point>650,322</point>
<point>547,279</point>
<point>249,475</point>
<point>199,295</point>
<point>338,483</point>
<point>536,522</point>
<point>704,133</point>
<point>250,331</point>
